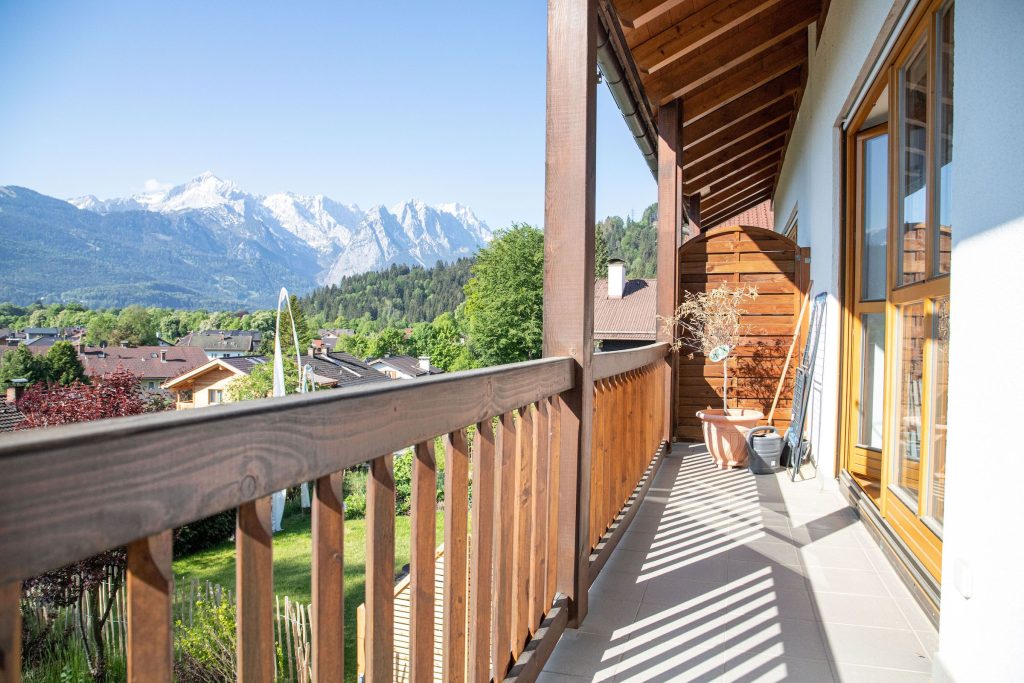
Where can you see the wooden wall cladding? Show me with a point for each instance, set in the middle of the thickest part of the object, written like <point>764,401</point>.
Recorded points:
<point>739,255</point>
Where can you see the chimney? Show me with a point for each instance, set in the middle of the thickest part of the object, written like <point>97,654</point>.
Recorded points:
<point>616,278</point>
<point>16,389</point>
<point>163,356</point>
<point>425,363</point>
<point>311,350</point>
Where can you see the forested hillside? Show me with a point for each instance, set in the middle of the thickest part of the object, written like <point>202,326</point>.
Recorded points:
<point>633,241</point>
<point>399,294</point>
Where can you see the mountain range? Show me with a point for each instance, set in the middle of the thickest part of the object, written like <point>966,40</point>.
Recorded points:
<point>209,244</point>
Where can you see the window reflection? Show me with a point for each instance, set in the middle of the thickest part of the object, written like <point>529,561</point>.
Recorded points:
<point>908,410</point>
<point>876,216</point>
<point>914,191</point>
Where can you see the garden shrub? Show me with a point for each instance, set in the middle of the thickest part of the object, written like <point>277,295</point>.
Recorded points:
<point>355,505</point>
<point>204,534</point>
<point>206,648</point>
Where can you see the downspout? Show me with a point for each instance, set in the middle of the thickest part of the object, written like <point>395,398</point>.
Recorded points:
<point>641,127</point>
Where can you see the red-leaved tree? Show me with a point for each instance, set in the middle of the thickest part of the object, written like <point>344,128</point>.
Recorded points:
<point>78,584</point>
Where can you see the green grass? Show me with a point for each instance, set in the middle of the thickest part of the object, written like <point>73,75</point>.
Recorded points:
<point>292,558</point>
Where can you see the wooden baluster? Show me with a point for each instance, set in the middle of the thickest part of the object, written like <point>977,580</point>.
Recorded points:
<point>521,523</point>
<point>501,617</point>
<point>538,545</point>
<point>150,580</point>
<point>554,472</point>
<point>254,581</point>
<point>482,551</point>
<point>329,578</point>
<point>597,461</point>
<point>10,633</point>
<point>421,569</point>
<point>456,522</point>
<point>380,570</point>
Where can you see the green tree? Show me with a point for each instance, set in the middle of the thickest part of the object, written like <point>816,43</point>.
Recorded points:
<point>63,365</point>
<point>505,298</point>
<point>21,363</point>
<point>259,383</point>
<point>134,325</point>
<point>287,341</point>
<point>600,254</point>
<point>100,328</point>
<point>390,341</point>
<point>446,343</point>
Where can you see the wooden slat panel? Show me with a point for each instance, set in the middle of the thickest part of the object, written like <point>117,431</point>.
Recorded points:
<point>421,569</point>
<point>539,501</point>
<point>10,633</point>
<point>504,547</point>
<point>150,584</point>
<point>780,88</point>
<point>148,466</point>
<point>482,552</point>
<point>254,582</point>
<point>456,521</point>
<point>380,569</point>
<point>328,581</point>
<point>765,142</point>
<point>554,509</point>
<point>749,127</point>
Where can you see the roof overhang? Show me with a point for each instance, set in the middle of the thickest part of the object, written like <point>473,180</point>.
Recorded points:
<point>738,67</point>
<point>176,382</point>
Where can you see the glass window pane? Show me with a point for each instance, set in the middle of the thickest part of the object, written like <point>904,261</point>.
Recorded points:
<point>872,379</point>
<point>876,217</point>
<point>914,167</point>
<point>940,404</point>
<point>907,473</point>
<point>943,241</point>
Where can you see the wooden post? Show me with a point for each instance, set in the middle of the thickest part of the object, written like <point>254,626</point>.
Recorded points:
<point>10,633</point>
<point>380,570</point>
<point>670,214</point>
<point>329,578</point>
<point>569,270</point>
<point>456,523</point>
<point>421,566</point>
<point>150,586</point>
<point>254,581</point>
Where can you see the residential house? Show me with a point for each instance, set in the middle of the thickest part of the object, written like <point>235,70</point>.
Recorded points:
<point>207,384</point>
<point>625,311</point>
<point>154,364</point>
<point>329,338</point>
<point>405,367</point>
<point>223,343</point>
<point>10,416</point>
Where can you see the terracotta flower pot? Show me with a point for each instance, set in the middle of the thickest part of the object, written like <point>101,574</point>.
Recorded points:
<point>725,435</point>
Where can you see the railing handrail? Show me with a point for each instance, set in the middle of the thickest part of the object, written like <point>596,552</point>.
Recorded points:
<point>611,363</point>
<point>70,492</point>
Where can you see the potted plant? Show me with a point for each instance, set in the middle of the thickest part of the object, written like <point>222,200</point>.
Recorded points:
<point>709,322</point>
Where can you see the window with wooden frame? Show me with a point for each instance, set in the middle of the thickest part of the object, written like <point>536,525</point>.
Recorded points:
<point>900,155</point>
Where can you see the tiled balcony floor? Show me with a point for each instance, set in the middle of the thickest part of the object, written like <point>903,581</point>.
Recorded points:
<point>727,576</point>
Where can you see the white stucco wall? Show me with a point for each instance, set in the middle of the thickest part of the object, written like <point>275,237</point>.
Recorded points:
<point>810,180</point>
<point>982,638</point>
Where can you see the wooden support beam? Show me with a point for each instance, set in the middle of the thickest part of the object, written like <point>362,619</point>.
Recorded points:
<point>738,174</point>
<point>693,215</point>
<point>737,194</point>
<point>704,26</point>
<point>724,162</point>
<point>746,128</point>
<point>765,176</point>
<point>569,270</point>
<point>735,150</point>
<point>670,219</point>
<point>738,205</point>
<point>10,632</point>
<point>635,13</point>
<point>150,582</point>
<point>254,582</point>
<point>780,88</point>
<point>328,521</point>
<point>738,47</point>
<point>740,81</point>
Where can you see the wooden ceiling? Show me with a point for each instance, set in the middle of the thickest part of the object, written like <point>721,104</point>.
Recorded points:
<point>739,67</point>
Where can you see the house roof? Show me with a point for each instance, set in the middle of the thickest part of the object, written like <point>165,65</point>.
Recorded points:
<point>760,216</point>
<point>142,360</point>
<point>634,316</point>
<point>407,365</point>
<point>221,340</point>
<point>9,416</point>
<point>335,370</point>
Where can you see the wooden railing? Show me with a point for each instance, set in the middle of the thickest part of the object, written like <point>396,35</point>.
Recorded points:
<point>70,492</point>
<point>629,412</point>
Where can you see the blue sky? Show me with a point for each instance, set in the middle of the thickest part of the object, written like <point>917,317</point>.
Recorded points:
<point>371,103</point>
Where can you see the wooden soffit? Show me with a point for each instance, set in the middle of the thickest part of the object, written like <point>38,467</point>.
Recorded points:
<point>739,68</point>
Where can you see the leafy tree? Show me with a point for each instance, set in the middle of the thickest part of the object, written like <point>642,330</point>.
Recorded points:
<point>134,325</point>
<point>100,329</point>
<point>79,583</point>
<point>259,383</point>
<point>600,254</point>
<point>446,343</point>
<point>504,298</point>
<point>287,341</point>
<point>21,363</point>
<point>390,341</point>
<point>63,365</point>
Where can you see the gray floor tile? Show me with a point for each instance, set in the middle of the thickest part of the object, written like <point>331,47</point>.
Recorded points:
<point>841,608</point>
<point>771,668</point>
<point>854,673</point>
<point>583,654</point>
<point>851,581</point>
<point>882,647</point>
<point>839,558</point>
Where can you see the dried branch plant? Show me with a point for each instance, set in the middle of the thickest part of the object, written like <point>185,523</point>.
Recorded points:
<point>710,321</point>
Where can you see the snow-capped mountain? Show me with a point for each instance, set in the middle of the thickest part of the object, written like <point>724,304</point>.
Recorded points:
<point>345,239</point>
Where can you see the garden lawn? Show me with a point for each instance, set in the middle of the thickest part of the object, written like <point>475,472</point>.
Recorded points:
<point>292,562</point>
